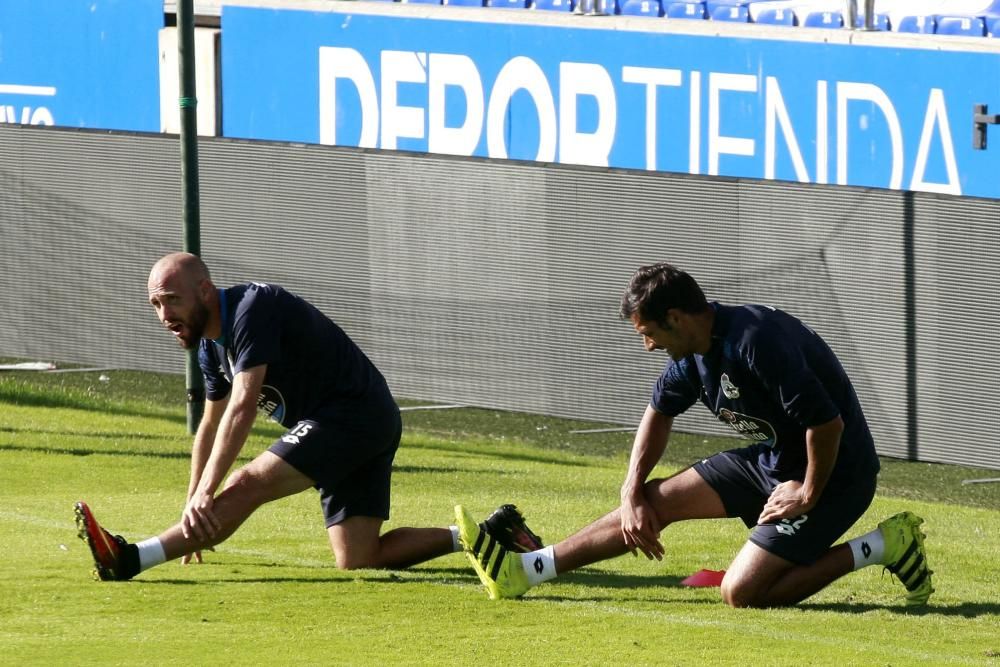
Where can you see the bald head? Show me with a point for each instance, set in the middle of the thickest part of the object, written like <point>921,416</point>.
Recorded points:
<point>182,265</point>
<point>186,301</point>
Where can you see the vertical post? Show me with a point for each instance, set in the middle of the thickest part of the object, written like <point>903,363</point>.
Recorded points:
<point>189,187</point>
<point>910,310</point>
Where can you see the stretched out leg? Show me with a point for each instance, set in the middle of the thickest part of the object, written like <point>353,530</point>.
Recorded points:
<point>264,479</point>
<point>678,498</point>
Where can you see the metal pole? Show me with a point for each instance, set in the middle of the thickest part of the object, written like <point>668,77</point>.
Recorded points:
<point>195,383</point>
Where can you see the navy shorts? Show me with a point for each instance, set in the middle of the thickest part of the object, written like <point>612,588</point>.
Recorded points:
<point>744,489</point>
<point>347,450</point>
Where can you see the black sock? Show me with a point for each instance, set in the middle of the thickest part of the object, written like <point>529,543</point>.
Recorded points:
<point>130,562</point>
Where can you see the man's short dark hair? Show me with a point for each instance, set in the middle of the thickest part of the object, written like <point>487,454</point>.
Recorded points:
<point>655,289</point>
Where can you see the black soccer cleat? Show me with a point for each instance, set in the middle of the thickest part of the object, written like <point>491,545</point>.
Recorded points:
<point>506,525</point>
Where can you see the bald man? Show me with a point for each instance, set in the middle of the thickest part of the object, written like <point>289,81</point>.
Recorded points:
<point>262,348</point>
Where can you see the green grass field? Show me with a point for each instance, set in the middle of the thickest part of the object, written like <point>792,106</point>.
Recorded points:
<point>271,596</point>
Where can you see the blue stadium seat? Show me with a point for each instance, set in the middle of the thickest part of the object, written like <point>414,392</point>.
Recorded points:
<point>993,26</point>
<point>553,5</point>
<point>777,17</point>
<point>733,13</point>
<point>642,8</point>
<point>926,25</point>
<point>421,2</point>
<point>879,22</point>
<point>609,6</point>
<point>712,5</point>
<point>508,4</point>
<point>824,20</point>
<point>463,3</point>
<point>964,26</point>
<point>685,10</point>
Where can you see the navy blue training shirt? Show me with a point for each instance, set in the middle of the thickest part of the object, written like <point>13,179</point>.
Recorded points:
<point>311,362</point>
<point>769,377</point>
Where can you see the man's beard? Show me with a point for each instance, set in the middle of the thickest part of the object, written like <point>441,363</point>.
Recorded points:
<point>195,328</point>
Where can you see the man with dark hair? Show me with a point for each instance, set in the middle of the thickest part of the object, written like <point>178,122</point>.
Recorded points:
<point>261,347</point>
<point>807,476</point>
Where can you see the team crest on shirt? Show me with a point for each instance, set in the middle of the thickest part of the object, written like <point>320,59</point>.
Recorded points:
<point>271,403</point>
<point>730,390</point>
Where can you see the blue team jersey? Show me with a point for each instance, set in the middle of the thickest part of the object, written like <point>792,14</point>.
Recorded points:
<point>769,377</point>
<point>312,365</point>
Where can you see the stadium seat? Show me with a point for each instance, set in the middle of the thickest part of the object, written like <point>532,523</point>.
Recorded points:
<point>463,3</point>
<point>421,2</point>
<point>824,20</point>
<point>777,17</point>
<point>925,25</point>
<point>733,13</point>
<point>642,8</point>
<point>553,5</point>
<point>993,26</point>
<point>609,6</point>
<point>685,10</point>
<point>879,22</point>
<point>963,26</point>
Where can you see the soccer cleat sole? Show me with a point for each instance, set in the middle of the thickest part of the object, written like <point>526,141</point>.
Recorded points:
<point>508,526</point>
<point>83,518</point>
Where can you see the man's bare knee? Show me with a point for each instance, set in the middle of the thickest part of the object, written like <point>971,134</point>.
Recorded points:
<point>247,486</point>
<point>354,561</point>
<point>746,597</point>
<point>740,597</point>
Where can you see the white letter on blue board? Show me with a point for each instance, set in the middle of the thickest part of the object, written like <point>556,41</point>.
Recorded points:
<point>937,114</point>
<point>651,77</point>
<point>521,73</point>
<point>717,143</point>
<point>868,92</point>
<point>575,80</point>
<point>401,121</point>
<point>342,63</point>
<point>454,71</point>
<point>776,111</point>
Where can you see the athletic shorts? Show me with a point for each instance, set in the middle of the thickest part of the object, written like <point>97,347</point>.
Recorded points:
<point>347,450</point>
<point>744,488</point>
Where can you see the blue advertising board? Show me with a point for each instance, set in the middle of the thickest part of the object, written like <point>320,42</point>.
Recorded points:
<point>82,63</point>
<point>815,112</point>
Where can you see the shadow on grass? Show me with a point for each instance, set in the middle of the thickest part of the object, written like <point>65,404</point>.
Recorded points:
<point>184,455</point>
<point>81,451</point>
<point>59,400</point>
<point>616,580</point>
<point>465,450</point>
<point>964,609</point>
<point>89,434</point>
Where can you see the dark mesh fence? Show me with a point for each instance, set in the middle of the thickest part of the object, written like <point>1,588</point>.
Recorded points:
<point>497,284</point>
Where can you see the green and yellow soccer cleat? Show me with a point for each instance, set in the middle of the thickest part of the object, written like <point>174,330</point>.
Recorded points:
<point>906,557</point>
<point>498,568</point>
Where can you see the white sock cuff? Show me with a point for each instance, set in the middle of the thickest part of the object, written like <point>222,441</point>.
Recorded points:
<point>539,565</point>
<point>868,549</point>
<point>456,544</point>
<point>150,553</point>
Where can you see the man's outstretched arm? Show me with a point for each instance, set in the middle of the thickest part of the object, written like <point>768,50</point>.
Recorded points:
<point>230,436</point>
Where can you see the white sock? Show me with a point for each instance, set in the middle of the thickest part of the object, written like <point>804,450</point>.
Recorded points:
<point>539,565</point>
<point>456,544</point>
<point>150,553</point>
<point>868,549</point>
